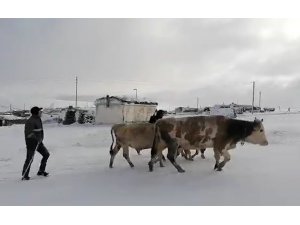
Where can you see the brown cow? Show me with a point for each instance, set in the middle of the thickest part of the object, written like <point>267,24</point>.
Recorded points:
<point>217,132</point>
<point>136,135</point>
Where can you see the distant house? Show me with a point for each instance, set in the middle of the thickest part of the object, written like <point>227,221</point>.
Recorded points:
<point>269,109</point>
<point>9,119</point>
<point>185,110</point>
<point>224,110</point>
<point>21,113</point>
<point>112,109</point>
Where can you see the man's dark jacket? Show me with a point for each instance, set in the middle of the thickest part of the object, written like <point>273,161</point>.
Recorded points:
<point>34,128</point>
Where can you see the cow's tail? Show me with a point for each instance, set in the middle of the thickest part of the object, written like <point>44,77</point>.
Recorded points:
<point>155,141</point>
<point>113,140</point>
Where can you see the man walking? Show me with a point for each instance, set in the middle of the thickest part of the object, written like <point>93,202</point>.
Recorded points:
<point>34,136</point>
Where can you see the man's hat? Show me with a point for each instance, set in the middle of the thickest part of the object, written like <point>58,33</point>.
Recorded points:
<point>35,110</point>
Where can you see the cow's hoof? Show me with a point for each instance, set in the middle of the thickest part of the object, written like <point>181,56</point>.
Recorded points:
<point>110,166</point>
<point>150,167</point>
<point>202,156</point>
<point>131,165</point>
<point>219,169</point>
<point>162,165</point>
<point>190,159</point>
<point>180,170</point>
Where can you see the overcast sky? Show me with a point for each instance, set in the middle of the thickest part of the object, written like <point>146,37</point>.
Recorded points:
<point>171,61</point>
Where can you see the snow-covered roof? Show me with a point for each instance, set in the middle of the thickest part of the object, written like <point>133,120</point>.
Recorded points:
<point>125,100</point>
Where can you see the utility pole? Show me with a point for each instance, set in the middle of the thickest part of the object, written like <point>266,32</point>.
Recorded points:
<point>259,98</point>
<point>135,93</point>
<point>76,92</point>
<point>253,96</point>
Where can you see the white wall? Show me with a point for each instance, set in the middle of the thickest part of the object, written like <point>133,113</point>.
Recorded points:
<point>229,112</point>
<point>138,113</point>
<point>118,113</point>
<point>110,115</point>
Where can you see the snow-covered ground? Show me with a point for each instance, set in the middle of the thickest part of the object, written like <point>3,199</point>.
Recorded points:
<point>79,160</point>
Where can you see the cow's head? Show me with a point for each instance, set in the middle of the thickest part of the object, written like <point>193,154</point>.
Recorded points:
<point>258,135</point>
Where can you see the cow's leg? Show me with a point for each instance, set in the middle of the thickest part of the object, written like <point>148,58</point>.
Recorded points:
<point>155,155</point>
<point>184,153</point>
<point>161,160</point>
<point>202,153</point>
<point>226,156</point>
<point>172,153</point>
<point>154,159</point>
<point>160,157</point>
<point>217,158</point>
<point>157,152</point>
<point>181,151</point>
<point>196,153</point>
<point>113,153</point>
<point>188,154</point>
<point>126,155</point>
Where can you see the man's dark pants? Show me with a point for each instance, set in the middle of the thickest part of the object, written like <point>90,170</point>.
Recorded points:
<point>31,146</point>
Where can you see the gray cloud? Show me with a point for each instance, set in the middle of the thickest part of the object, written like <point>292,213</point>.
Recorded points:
<point>172,61</point>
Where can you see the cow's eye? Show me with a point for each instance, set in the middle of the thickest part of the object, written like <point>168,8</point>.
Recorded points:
<point>261,130</point>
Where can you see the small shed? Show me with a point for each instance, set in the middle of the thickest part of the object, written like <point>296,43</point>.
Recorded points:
<point>112,109</point>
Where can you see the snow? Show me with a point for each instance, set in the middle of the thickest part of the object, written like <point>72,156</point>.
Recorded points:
<point>79,160</point>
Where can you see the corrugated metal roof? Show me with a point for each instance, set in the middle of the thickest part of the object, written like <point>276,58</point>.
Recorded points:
<point>126,100</point>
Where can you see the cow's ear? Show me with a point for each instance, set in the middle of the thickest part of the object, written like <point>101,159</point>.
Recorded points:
<point>256,125</point>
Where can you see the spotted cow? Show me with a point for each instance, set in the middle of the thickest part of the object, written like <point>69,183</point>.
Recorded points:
<point>217,132</point>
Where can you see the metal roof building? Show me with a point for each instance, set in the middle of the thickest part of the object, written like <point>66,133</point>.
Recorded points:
<point>112,109</point>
